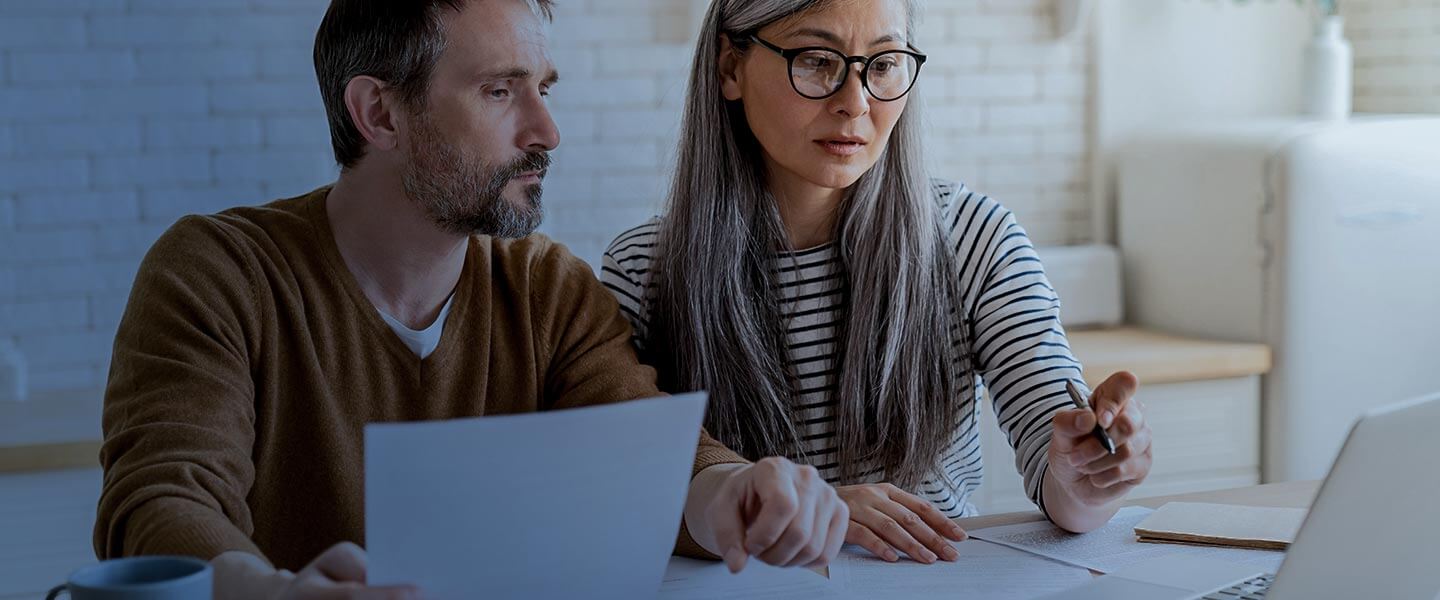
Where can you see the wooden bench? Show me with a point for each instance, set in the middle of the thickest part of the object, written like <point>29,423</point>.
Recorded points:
<point>51,430</point>
<point>1203,398</point>
<point>1203,401</point>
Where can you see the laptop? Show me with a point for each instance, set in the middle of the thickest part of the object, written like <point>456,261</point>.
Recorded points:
<point>1372,532</point>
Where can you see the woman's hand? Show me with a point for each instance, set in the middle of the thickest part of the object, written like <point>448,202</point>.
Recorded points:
<point>884,518</point>
<point>1085,471</point>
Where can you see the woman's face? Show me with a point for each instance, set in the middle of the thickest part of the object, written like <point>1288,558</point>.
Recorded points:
<point>830,142</point>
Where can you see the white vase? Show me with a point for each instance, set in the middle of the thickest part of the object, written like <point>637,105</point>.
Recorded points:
<point>1329,72</point>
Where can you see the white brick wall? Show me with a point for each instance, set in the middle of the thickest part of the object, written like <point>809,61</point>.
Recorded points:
<point>1009,107</point>
<point>1397,54</point>
<point>118,116</point>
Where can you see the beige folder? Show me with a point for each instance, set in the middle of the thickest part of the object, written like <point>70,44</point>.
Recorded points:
<point>1221,525</point>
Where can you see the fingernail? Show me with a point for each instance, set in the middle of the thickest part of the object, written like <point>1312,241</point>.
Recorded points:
<point>1107,418</point>
<point>1080,421</point>
<point>891,556</point>
<point>735,559</point>
<point>957,531</point>
<point>929,556</point>
<point>951,555</point>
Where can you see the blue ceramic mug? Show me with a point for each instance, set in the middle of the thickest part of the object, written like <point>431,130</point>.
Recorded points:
<point>140,578</point>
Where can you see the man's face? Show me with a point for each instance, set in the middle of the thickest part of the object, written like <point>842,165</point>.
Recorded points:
<point>479,147</point>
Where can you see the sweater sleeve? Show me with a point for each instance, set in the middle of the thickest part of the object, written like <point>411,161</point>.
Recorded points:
<point>179,409</point>
<point>1021,350</point>
<point>593,361</point>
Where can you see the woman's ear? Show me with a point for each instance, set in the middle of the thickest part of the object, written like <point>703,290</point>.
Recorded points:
<point>729,69</point>
<point>372,111</point>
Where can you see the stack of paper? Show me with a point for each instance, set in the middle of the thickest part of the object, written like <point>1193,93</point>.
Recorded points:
<point>985,570</point>
<point>689,579</point>
<point>1222,525</point>
<point>1114,545</point>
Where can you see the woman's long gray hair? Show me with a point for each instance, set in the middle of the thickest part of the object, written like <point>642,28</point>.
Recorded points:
<point>718,321</point>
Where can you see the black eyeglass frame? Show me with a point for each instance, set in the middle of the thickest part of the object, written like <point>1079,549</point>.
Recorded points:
<point>790,54</point>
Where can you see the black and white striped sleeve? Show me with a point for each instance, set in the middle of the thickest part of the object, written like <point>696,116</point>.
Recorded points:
<point>625,271</point>
<point>1019,346</point>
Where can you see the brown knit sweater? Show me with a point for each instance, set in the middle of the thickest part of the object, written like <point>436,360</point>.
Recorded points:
<point>249,360</point>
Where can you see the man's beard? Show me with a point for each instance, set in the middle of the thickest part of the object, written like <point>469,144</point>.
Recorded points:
<point>466,197</point>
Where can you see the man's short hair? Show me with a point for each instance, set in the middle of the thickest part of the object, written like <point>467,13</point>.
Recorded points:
<point>395,41</point>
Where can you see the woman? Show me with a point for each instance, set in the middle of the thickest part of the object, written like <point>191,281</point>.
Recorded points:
<point>842,308</point>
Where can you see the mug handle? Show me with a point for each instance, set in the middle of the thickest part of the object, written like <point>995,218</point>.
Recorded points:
<point>56,591</point>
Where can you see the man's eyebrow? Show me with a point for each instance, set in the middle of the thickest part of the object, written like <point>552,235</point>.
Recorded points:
<point>507,73</point>
<point>519,73</point>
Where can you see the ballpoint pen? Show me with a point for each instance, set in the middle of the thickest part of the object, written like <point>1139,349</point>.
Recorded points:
<point>1098,432</point>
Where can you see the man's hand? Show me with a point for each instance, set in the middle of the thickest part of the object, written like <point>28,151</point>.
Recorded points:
<point>884,518</point>
<point>1082,467</point>
<point>778,512</point>
<point>338,573</point>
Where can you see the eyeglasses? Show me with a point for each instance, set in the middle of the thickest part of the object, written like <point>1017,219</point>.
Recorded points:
<point>817,72</point>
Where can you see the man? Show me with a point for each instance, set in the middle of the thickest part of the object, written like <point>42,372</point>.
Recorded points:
<point>259,341</point>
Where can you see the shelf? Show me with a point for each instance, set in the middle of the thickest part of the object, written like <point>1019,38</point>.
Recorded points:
<point>51,430</point>
<point>1162,358</point>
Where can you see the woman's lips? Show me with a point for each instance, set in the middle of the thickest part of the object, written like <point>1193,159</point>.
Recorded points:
<point>841,148</point>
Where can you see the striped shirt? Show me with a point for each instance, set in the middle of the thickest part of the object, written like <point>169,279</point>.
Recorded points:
<point>1011,342</point>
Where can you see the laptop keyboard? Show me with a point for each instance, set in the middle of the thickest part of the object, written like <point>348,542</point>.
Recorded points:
<point>1250,589</point>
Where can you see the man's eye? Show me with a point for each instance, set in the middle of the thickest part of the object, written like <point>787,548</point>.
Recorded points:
<point>498,93</point>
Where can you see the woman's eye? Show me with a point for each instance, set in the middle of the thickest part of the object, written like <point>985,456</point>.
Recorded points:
<point>816,62</point>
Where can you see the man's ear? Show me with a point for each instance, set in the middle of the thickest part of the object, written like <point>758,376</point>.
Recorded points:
<point>730,71</point>
<point>373,111</point>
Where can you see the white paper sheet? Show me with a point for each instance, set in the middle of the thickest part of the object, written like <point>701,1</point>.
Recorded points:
<point>1113,546</point>
<point>688,579</point>
<point>570,504</point>
<point>985,570</point>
